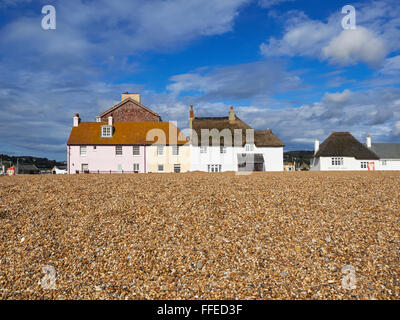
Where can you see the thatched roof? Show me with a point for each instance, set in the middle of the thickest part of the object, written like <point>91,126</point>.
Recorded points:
<point>226,128</point>
<point>343,144</point>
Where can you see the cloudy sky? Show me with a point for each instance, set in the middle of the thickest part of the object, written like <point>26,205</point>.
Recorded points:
<point>287,65</point>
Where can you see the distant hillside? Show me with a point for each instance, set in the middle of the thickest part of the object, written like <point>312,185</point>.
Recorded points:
<point>298,156</point>
<point>41,163</point>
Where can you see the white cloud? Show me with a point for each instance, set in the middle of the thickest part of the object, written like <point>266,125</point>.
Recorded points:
<point>303,37</point>
<point>243,81</point>
<point>353,46</point>
<point>338,97</point>
<point>391,66</point>
<point>376,35</point>
<point>271,3</point>
<point>396,129</point>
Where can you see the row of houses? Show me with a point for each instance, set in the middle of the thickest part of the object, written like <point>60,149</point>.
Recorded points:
<point>129,137</point>
<point>29,168</point>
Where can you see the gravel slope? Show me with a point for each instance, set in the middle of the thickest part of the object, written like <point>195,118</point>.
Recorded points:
<point>201,236</point>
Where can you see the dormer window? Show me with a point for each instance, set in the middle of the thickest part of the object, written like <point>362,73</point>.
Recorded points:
<point>106,131</point>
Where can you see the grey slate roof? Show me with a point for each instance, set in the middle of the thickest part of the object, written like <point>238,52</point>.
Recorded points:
<point>343,144</point>
<point>386,150</point>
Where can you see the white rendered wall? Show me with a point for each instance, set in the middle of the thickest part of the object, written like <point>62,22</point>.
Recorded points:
<point>390,165</point>
<point>273,158</point>
<point>349,164</point>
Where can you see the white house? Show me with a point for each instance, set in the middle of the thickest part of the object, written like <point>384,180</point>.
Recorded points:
<point>219,144</point>
<point>341,151</point>
<point>59,170</point>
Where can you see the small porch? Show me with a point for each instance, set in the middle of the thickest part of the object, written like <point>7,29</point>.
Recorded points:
<point>250,162</point>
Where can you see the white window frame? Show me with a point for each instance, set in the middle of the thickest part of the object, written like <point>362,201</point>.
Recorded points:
<point>337,161</point>
<point>364,164</point>
<point>117,153</point>
<point>249,147</point>
<point>87,166</point>
<point>83,151</point>
<point>384,163</point>
<point>106,131</point>
<point>177,166</point>
<point>162,168</point>
<point>203,149</point>
<point>136,167</point>
<point>137,148</point>
<point>175,150</point>
<point>222,149</point>
<point>160,150</point>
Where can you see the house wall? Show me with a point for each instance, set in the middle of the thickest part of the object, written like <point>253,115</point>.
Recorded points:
<point>273,158</point>
<point>103,158</point>
<point>391,164</point>
<point>128,112</point>
<point>349,164</point>
<point>168,160</point>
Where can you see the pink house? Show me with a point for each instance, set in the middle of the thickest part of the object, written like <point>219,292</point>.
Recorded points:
<point>111,146</point>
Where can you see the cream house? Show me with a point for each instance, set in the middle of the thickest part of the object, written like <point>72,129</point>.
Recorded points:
<point>168,158</point>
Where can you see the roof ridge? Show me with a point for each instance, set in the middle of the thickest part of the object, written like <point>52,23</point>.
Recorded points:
<point>123,102</point>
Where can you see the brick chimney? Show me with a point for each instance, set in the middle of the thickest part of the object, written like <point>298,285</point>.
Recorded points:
<point>191,116</point>
<point>134,96</point>
<point>77,120</point>
<point>110,120</point>
<point>232,116</point>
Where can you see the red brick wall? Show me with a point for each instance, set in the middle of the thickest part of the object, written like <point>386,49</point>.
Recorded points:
<point>129,111</point>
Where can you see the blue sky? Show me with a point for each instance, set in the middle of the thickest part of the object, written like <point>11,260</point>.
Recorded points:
<point>287,65</point>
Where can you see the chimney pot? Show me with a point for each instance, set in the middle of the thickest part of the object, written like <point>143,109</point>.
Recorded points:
<point>76,120</point>
<point>191,112</point>
<point>110,120</point>
<point>316,146</point>
<point>369,141</point>
<point>232,116</point>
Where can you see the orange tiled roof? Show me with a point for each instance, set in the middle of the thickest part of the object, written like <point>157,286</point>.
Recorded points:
<point>125,133</point>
